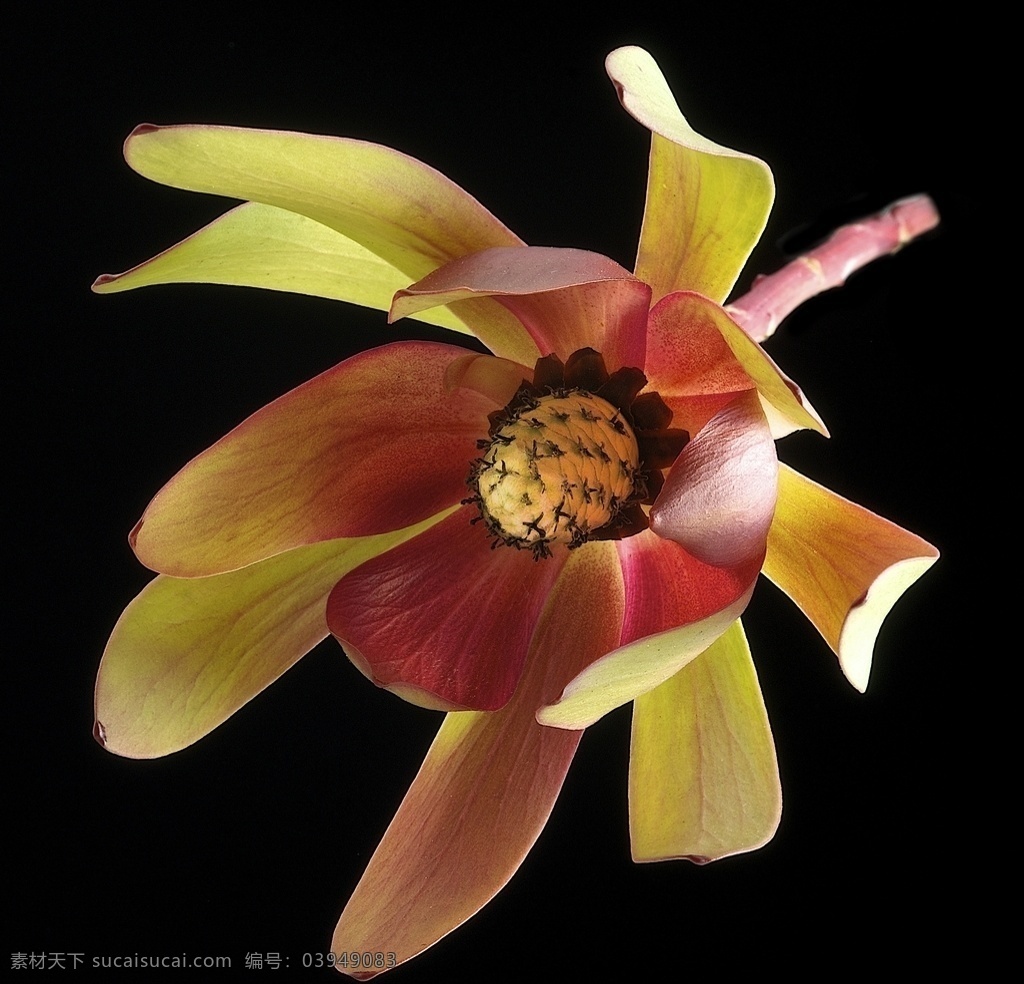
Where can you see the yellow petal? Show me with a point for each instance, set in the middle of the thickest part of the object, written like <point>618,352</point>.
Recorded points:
<point>487,786</point>
<point>405,212</point>
<point>703,777</point>
<point>187,653</point>
<point>706,205</point>
<point>262,246</point>
<point>843,565</point>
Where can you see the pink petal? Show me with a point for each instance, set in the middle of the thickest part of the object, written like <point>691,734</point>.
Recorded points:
<point>568,299</point>
<point>372,445</point>
<point>444,620</point>
<point>719,497</point>
<point>487,786</point>
<point>843,565</point>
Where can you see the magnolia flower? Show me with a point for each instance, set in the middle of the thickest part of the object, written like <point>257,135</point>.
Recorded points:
<point>527,539</point>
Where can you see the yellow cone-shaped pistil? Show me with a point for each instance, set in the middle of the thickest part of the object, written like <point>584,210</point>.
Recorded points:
<point>562,468</point>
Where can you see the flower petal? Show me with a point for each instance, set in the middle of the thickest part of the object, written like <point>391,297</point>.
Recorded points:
<point>187,653</point>
<point>689,363</point>
<point>496,379</point>
<point>405,212</point>
<point>374,444</point>
<point>676,606</point>
<point>703,777</point>
<point>686,361</point>
<point>487,786</point>
<point>706,205</point>
<point>843,565</point>
<point>719,497</point>
<point>258,245</point>
<point>568,299</point>
<point>444,620</point>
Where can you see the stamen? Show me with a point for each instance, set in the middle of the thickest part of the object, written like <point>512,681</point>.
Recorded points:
<point>535,462</point>
<point>563,462</point>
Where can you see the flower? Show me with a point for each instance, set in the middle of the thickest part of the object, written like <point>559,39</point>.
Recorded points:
<point>344,507</point>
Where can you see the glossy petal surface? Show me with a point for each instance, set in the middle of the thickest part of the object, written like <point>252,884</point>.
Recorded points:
<point>703,777</point>
<point>567,299</point>
<point>706,205</point>
<point>372,445</point>
<point>676,606</point>
<point>398,208</point>
<point>187,653</point>
<point>488,783</point>
<point>843,565</point>
<point>258,245</point>
<point>444,620</point>
<point>719,497</point>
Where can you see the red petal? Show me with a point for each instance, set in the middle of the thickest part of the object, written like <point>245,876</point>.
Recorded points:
<point>487,786</point>
<point>676,606</point>
<point>568,299</point>
<point>374,444</point>
<point>719,497</point>
<point>666,587</point>
<point>444,620</point>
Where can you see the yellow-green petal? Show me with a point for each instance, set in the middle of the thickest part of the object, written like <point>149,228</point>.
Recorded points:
<point>400,209</point>
<point>706,205</point>
<point>703,776</point>
<point>189,652</point>
<point>843,565</point>
<point>258,245</point>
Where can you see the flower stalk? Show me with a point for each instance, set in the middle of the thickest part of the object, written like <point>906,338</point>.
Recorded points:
<point>774,296</point>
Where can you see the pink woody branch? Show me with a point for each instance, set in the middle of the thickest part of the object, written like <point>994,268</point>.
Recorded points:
<point>772,297</point>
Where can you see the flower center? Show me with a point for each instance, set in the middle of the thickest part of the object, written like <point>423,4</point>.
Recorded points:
<point>562,467</point>
<point>574,457</point>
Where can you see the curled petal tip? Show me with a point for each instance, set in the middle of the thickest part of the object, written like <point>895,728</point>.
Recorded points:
<point>99,733</point>
<point>862,625</point>
<point>844,566</point>
<point>140,131</point>
<point>706,206</point>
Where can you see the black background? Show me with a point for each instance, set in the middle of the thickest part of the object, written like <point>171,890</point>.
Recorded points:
<point>253,839</point>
